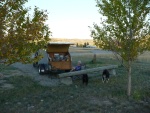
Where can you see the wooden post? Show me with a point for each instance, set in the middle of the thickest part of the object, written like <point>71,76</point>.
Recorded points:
<point>94,58</point>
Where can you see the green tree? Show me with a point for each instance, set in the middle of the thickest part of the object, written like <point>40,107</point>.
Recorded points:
<point>84,45</point>
<point>21,33</point>
<point>77,45</point>
<point>124,30</point>
<point>87,43</point>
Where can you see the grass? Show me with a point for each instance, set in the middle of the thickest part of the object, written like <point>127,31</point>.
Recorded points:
<point>145,57</point>
<point>30,97</point>
<point>75,41</point>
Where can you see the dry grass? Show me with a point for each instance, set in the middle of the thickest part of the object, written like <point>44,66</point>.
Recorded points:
<point>75,41</point>
<point>145,57</point>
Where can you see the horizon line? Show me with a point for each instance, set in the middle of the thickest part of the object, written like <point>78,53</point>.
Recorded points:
<point>71,38</point>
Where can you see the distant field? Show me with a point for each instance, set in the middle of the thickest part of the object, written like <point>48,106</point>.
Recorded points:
<point>86,54</point>
<point>79,41</point>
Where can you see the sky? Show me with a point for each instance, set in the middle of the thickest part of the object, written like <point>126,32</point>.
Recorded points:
<point>69,18</point>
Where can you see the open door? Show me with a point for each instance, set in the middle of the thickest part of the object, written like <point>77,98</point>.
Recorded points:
<point>59,56</point>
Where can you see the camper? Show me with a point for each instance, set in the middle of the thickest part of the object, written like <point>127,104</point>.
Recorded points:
<point>56,57</point>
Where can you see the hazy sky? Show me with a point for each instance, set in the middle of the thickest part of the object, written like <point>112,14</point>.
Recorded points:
<point>69,18</point>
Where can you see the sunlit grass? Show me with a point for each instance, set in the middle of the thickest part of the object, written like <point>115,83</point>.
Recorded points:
<point>75,41</point>
<point>88,55</point>
<point>145,57</point>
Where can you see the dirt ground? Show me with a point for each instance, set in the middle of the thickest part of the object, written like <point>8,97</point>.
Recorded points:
<point>29,70</point>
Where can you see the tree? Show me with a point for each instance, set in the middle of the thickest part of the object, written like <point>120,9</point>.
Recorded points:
<point>84,45</point>
<point>87,43</point>
<point>125,30</point>
<point>21,34</point>
<point>77,45</point>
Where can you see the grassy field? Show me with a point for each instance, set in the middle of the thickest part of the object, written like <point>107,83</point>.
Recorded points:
<point>75,41</point>
<point>28,96</point>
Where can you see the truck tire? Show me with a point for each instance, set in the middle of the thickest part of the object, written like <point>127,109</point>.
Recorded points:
<point>41,69</point>
<point>47,68</point>
<point>68,70</point>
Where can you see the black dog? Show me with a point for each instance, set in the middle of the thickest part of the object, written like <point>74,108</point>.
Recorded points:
<point>105,76</point>
<point>85,79</point>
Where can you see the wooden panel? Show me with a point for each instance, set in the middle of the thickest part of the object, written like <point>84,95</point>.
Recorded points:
<point>87,71</point>
<point>61,65</point>
<point>58,48</point>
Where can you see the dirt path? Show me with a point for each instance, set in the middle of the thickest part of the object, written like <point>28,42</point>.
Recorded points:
<point>29,70</point>
<point>45,80</point>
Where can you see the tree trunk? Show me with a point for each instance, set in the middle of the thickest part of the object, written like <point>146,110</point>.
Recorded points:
<point>129,79</point>
<point>94,59</point>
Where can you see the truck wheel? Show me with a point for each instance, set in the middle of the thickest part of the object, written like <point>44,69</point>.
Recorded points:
<point>47,68</point>
<point>68,70</point>
<point>41,69</point>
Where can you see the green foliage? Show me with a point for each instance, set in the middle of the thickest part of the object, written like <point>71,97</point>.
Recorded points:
<point>125,28</point>
<point>21,34</point>
<point>84,45</point>
<point>87,43</point>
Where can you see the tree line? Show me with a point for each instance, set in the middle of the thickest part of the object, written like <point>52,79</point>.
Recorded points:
<point>82,45</point>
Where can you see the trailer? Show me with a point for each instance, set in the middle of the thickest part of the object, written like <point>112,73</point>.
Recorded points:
<point>56,57</point>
